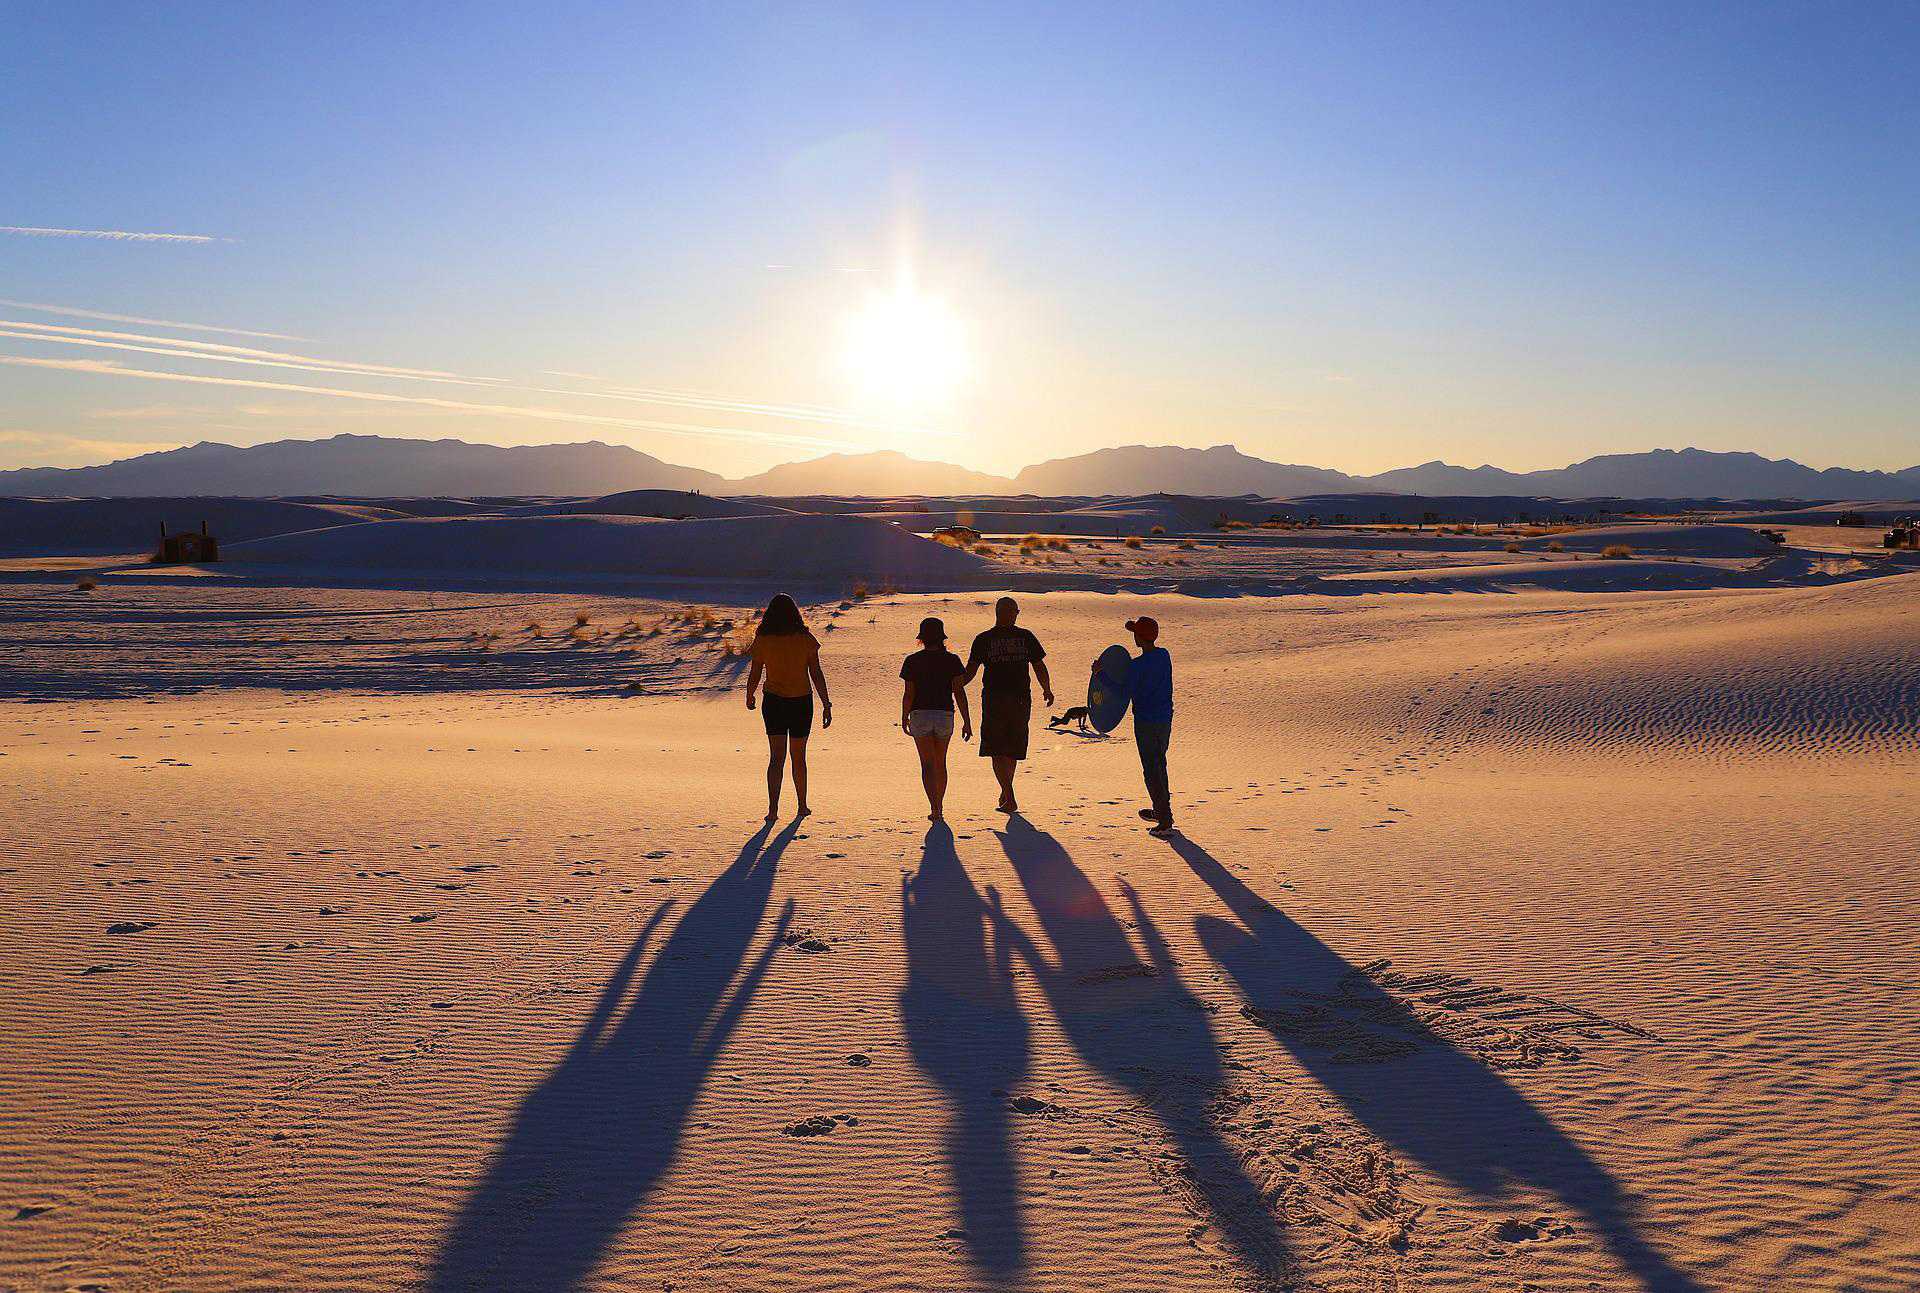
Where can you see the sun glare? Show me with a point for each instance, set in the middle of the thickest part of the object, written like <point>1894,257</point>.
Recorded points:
<point>905,352</point>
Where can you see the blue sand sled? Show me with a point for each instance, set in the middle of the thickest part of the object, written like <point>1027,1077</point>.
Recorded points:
<point>1107,689</point>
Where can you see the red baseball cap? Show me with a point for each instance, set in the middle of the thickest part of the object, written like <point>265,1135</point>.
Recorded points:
<point>1146,626</point>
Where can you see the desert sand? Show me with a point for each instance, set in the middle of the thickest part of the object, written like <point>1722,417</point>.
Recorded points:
<point>1534,923</point>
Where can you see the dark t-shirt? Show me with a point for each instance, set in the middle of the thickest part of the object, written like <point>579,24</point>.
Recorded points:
<point>932,674</point>
<point>1006,654</point>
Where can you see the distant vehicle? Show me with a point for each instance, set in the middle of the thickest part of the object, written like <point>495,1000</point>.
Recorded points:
<point>958,533</point>
<point>1850,518</point>
<point>1904,534</point>
<point>1775,536</point>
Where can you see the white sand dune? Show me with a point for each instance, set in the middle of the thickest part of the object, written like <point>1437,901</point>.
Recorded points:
<point>84,525</point>
<point>810,549</point>
<point>669,504</point>
<point>1558,938</point>
<point>1677,540</point>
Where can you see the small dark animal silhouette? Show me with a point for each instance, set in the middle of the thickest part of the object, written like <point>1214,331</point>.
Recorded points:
<point>1077,714</point>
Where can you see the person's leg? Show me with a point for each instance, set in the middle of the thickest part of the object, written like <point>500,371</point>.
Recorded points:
<point>933,773</point>
<point>1152,740</point>
<point>776,764</point>
<point>798,746</point>
<point>1003,769</point>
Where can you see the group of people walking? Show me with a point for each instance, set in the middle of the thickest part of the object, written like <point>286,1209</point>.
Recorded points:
<point>786,667</point>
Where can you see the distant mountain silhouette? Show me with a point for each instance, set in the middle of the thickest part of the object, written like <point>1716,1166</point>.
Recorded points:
<point>1221,471</point>
<point>382,467</point>
<point>364,466</point>
<point>1658,473</point>
<point>884,474</point>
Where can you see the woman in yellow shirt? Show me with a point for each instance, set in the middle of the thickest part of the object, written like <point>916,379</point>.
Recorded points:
<point>789,659</point>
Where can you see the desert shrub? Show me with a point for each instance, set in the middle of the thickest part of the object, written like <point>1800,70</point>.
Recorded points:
<point>1556,546</point>
<point>859,593</point>
<point>1616,550</point>
<point>86,585</point>
<point>1158,529</point>
<point>582,620</point>
<point>1135,541</point>
<point>535,628</point>
<point>888,590</point>
<point>1059,544</point>
<point>1185,545</point>
<point>1513,547</point>
<point>983,549</point>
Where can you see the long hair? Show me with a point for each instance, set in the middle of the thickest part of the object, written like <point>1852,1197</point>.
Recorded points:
<point>781,617</point>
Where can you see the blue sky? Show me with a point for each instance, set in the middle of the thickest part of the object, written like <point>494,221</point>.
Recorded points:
<point>1351,235</point>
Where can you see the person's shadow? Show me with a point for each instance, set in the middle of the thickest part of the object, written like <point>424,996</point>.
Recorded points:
<point>1416,1092</point>
<point>593,1138</point>
<point>967,1033</point>
<point>1136,1023</point>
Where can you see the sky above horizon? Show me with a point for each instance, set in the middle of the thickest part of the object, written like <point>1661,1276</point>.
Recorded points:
<point>1354,236</point>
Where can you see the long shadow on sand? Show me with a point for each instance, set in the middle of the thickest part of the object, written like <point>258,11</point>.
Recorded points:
<point>1139,1026</point>
<point>594,1137</point>
<point>1437,1104</point>
<point>967,1033</point>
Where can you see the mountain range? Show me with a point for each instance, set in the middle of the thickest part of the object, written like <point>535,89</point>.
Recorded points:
<point>363,466</point>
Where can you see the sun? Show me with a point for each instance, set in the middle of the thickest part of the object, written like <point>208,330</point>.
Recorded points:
<point>905,352</point>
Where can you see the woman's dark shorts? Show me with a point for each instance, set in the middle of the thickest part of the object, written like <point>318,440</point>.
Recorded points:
<point>1003,726</point>
<point>787,715</point>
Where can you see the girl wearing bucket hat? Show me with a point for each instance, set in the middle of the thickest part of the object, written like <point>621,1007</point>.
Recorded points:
<point>931,678</point>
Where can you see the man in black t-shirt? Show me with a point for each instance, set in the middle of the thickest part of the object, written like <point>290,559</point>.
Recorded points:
<point>1006,652</point>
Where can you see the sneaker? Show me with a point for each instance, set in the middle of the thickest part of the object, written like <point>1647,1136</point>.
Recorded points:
<point>1148,815</point>
<point>1161,829</point>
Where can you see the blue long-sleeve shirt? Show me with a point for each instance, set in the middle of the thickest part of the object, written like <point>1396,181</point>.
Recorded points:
<point>1150,686</point>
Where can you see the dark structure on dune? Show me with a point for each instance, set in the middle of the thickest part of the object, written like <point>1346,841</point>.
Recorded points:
<point>187,547</point>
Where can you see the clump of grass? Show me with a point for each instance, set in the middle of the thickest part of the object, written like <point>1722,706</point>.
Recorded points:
<point>983,549</point>
<point>1158,529</point>
<point>859,591</point>
<point>1186,545</point>
<point>1556,546</point>
<point>1134,541</point>
<point>581,620</point>
<point>535,628</point>
<point>86,584</point>
<point>1513,547</point>
<point>1616,550</point>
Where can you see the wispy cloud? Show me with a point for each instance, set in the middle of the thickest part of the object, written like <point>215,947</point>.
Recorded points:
<point>107,235</point>
<point>107,369</point>
<point>186,348</point>
<point>69,312</point>
<point>220,352</point>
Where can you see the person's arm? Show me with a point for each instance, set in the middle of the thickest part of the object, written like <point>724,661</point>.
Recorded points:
<point>753,681</point>
<point>966,714</point>
<point>973,665</point>
<point>906,703</point>
<point>1046,683</point>
<point>820,685</point>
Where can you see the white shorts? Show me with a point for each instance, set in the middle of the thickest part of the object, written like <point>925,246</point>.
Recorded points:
<point>930,722</point>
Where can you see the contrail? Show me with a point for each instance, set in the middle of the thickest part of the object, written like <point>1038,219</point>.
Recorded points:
<point>110,235</point>
<point>186,348</point>
<point>67,311</point>
<point>105,369</point>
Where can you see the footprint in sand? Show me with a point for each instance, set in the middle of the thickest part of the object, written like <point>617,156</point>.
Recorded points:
<point>132,926</point>
<point>422,918</point>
